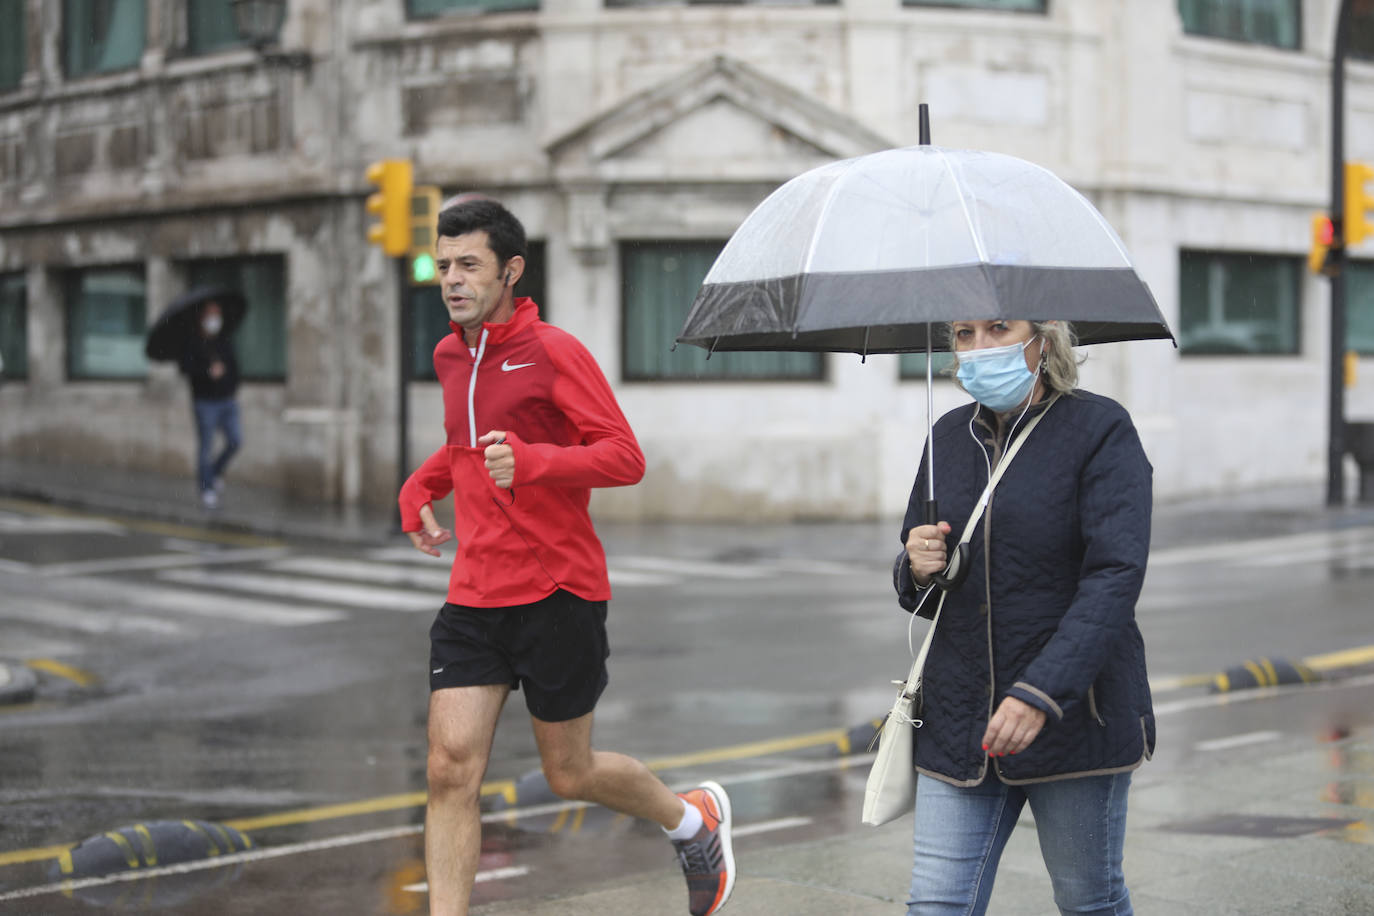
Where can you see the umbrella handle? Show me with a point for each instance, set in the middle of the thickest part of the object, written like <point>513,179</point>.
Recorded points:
<point>958,569</point>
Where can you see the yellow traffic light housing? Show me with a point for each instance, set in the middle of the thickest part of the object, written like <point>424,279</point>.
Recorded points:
<point>391,204</point>
<point>1323,233</point>
<point>1359,202</point>
<point>424,217</point>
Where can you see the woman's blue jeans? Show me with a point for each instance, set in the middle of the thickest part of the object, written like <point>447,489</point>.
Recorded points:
<point>961,832</point>
<point>211,416</point>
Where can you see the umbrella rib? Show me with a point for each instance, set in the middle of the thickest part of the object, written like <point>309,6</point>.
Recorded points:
<point>963,205</point>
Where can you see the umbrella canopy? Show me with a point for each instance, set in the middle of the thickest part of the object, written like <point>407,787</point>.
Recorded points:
<point>180,320</point>
<point>864,254</point>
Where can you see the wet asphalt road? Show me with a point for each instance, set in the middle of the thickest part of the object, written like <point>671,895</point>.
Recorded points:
<point>281,687</point>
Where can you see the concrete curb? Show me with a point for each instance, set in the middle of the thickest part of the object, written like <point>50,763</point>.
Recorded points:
<point>17,683</point>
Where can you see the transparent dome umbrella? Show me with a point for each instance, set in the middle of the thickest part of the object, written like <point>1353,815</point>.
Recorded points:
<point>868,255</point>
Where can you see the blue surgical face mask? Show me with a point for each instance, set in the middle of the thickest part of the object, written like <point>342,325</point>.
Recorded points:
<point>997,377</point>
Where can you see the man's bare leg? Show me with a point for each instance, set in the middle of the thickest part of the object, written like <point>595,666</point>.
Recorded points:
<point>462,722</point>
<point>618,782</point>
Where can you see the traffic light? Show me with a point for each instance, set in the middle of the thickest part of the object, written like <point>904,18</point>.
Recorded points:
<point>391,204</point>
<point>424,216</point>
<point>1323,233</point>
<point>1359,202</point>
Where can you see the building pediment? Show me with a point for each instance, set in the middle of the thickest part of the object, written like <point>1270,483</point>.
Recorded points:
<point>718,120</point>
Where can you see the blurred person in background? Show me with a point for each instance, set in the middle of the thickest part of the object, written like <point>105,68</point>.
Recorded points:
<point>209,365</point>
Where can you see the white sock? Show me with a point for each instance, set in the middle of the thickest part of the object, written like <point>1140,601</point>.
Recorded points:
<point>691,823</point>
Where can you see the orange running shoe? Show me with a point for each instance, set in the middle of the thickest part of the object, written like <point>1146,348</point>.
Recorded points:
<point>706,859</point>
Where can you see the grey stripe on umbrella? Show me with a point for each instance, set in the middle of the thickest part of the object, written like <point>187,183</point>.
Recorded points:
<point>792,313</point>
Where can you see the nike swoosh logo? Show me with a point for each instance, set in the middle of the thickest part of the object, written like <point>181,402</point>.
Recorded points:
<point>508,366</point>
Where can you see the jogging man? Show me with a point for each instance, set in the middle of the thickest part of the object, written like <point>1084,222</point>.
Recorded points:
<point>532,426</point>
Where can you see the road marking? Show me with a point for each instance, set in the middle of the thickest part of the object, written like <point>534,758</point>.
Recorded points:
<point>332,593</point>
<point>17,523</point>
<point>365,571</point>
<point>159,561</point>
<point>490,874</point>
<point>220,861</point>
<point>1258,550</point>
<point>506,788</point>
<point>86,620</point>
<point>54,667</point>
<point>184,601</point>
<point>1234,741</point>
<point>691,568</point>
<point>63,616</point>
<point>782,823</point>
<point>166,529</point>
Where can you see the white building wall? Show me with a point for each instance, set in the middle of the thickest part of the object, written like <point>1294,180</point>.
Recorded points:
<point>573,117</point>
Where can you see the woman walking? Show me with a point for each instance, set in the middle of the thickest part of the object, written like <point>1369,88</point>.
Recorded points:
<point>1035,689</point>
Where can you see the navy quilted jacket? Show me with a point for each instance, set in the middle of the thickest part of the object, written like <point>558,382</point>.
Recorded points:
<point>1051,619</point>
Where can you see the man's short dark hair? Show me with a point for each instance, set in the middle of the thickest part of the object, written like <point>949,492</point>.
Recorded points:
<point>505,235</point>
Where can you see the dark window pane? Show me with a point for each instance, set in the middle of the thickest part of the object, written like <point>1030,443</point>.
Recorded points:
<point>1266,22</point>
<point>14,326</point>
<point>421,9</point>
<point>1362,29</point>
<point>1359,307</point>
<point>659,280</point>
<point>210,26</point>
<point>102,35</point>
<point>1238,303</point>
<point>640,3</point>
<point>106,309</point>
<point>1032,6</point>
<point>913,365</point>
<point>13,39</point>
<point>260,342</point>
<point>429,318</point>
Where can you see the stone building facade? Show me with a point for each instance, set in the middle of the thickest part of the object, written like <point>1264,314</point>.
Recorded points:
<point>143,150</point>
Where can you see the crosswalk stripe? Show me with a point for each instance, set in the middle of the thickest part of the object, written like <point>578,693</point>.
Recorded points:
<point>23,523</point>
<point>98,592</point>
<point>332,593</point>
<point>159,561</point>
<point>692,568</point>
<point>84,619</point>
<point>367,571</point>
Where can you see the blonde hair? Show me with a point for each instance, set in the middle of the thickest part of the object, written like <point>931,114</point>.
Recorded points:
<point>1061,364</point>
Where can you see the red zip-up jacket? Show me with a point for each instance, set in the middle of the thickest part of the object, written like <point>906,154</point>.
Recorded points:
<point>541,386</point>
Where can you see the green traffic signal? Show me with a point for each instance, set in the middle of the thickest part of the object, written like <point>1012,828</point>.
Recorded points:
<point>422,269</point>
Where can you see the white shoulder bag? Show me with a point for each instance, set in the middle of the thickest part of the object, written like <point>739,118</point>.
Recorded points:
<point>891,788</point>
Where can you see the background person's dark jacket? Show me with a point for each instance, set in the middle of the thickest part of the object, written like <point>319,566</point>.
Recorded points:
<point>1068,531</point>
<point>195,365</point>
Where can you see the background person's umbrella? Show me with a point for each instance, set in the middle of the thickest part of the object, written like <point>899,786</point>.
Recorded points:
<point>180,320</point>
<point>867,255</point>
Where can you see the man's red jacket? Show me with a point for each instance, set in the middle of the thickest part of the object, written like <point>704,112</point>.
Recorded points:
<point>541,386</point>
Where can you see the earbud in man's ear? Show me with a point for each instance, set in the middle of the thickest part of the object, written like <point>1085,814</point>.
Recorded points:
<point>508,278</point>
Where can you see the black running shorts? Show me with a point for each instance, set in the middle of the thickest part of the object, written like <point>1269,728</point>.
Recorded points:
<point>555,648</point>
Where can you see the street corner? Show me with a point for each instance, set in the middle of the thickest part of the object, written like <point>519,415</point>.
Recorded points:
<point>18,683</point>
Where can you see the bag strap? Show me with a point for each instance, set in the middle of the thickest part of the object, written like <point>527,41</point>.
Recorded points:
<point>913,681</point>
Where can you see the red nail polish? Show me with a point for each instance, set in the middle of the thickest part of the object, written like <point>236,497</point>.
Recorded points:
<point>985,747</point>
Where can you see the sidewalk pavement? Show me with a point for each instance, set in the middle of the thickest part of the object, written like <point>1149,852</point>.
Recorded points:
<point>1288,832</point>
<point>1283,831</point>
<point>1269,512</point>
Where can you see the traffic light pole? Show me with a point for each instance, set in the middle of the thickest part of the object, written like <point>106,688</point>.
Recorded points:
<point>1335,452</point>
<point>403,334</point>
